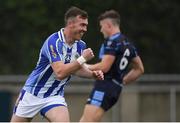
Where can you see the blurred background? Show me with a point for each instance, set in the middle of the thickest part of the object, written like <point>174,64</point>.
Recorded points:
<point>153,25</point>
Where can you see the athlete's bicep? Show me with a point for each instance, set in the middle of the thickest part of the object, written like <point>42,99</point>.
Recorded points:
<point>56,66</point>
<point>137,63</point>
<point>107,62</point>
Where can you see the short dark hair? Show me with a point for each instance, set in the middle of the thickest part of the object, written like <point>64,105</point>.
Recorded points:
<point>73,12</point>
<point>110,14</point>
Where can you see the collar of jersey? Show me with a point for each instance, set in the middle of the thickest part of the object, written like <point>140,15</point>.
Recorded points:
<point>61,37</point>
<point>114,36</point>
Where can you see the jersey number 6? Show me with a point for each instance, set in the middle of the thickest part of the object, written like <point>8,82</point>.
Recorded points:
<point>124,60</point>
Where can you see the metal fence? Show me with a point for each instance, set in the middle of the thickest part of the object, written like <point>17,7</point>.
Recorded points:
<point>147,84</point>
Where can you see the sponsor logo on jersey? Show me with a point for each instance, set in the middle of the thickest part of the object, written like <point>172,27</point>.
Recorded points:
<point>52,51</point>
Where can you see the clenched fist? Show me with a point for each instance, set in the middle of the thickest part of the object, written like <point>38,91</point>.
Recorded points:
<point>88,54</point>
<point>98,74</point>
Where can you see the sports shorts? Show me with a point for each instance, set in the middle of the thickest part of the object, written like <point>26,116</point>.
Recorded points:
<point>104,94</point>
<point>28,105</point>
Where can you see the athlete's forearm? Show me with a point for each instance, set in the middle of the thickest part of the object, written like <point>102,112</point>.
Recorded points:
<point>104,65</point>
<point>94,66</point>
<point>99,66</point>
<point>132,76</point>
<point>84,72</point>
<point>62,70</point>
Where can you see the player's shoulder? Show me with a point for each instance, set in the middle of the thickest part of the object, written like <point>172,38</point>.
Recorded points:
<point>53,37</point>
<point>81,42</point>
<point>126,40</point>
<point>51,41</point>
<point>130,45</point>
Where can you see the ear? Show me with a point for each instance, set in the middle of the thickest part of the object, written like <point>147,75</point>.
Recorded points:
<point>70,23</point>
<point>109,25</point>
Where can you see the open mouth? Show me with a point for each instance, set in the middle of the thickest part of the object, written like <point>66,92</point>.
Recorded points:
<point>81,33</point>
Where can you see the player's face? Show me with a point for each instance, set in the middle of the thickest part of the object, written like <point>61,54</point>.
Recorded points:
<point>79,27</point>
<point>104,28</point>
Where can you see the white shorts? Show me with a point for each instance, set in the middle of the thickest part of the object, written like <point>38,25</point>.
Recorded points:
<point>28,105</point>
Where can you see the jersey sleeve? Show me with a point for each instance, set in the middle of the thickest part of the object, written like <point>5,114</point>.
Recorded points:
<point>84,46</point>
<point>110,47</point>
<point>133,51</point>
<point>81,45</point>
<point>53,49</point>
<point>101,52</point>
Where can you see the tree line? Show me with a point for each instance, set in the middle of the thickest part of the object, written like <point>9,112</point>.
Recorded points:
<point>152,25</point>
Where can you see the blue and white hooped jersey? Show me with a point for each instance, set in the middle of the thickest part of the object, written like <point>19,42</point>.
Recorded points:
<point>42,82</point>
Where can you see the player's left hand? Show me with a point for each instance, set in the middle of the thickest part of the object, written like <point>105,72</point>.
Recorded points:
<point>98,74</point>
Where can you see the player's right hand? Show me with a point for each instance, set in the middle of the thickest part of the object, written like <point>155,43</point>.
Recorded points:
<point>88,54</point>
<point>98,74</point>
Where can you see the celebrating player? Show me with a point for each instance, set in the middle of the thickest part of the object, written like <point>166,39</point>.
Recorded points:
<point>62,54</point>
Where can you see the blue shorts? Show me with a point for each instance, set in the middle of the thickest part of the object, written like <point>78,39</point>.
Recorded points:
<point>105,94</point>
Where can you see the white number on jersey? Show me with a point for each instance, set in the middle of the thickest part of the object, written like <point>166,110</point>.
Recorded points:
<point>124,60</point>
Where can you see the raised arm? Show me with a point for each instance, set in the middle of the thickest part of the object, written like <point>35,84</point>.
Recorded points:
<point>62,70</point>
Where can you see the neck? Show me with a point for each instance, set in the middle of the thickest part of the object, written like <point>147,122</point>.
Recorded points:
<point>115,30</point>
<point>67,35</point>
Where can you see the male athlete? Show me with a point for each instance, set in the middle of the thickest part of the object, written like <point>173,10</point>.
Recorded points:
<point>116,54</point>
<point>62,54</point>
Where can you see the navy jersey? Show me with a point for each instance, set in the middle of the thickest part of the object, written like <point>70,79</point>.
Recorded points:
<point>124,51</point>
<point>42,82</point>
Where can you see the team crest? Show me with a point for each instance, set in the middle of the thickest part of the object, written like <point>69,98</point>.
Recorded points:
<point>109,43</point>
<point>77,55</point>
<point>67,58</point>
